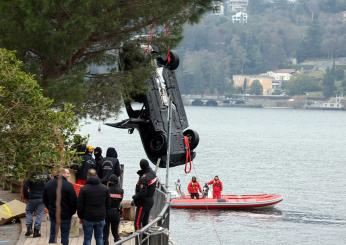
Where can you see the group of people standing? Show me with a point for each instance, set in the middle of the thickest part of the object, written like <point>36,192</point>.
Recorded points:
<point>98,204</point>
<point>194,188</point>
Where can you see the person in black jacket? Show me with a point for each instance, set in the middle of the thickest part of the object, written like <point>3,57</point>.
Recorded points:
<point>33,192</point>
<point>98,160</point>
<point>113,213</point>
<point>68,205</point>
<point>93,201</point>
<point>145,189</point>
<point>88,162</point>
<point>110,165</point>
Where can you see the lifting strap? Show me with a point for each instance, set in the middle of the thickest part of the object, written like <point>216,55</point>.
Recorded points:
<point>188,160</point>
<point>167,34</point>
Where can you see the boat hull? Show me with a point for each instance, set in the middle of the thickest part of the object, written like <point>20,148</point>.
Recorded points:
<point>228,202</point>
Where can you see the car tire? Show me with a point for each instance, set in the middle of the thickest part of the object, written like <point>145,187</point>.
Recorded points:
<point>172,65</point>
<point>157,143</point>
<point>193,138</point>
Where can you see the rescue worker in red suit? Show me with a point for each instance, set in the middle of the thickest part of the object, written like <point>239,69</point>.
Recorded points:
<point>217,187</point>
<point>193,188</point>
<point>145,189</point>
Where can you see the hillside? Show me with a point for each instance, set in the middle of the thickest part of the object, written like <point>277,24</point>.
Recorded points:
<point>278,34</point>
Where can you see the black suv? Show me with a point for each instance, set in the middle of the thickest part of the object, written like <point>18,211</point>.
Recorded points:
<point>151,120</point>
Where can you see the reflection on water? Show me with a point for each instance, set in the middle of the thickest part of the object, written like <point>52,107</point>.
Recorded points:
<point>311,218</point>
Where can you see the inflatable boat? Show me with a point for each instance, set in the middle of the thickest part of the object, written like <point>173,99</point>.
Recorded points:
<point>228,202</point>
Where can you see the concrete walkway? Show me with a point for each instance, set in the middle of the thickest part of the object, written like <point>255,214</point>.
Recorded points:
<point>43,240</point>
<point>45,229</point>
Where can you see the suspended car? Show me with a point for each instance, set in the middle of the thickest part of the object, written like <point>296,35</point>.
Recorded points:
<point>151,120</point>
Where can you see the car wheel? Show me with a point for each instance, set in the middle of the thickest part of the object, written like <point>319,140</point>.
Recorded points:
<point>193,138</point>
<point>157,144</point>
<point>172,65</point>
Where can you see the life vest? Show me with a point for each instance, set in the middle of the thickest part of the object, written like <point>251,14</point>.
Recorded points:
<point>194,187</point>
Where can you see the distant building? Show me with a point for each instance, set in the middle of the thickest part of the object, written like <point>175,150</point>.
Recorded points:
<point>239,17</point>
<point>282,74</point>
<point>237,5</point>
<point>218,8</point>
<point>245,81</point>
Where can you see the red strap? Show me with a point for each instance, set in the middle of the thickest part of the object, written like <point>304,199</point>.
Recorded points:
<point>188,160</point>
<point>150,182</point>
<point>168,56</point>
<point>167,34</point>
<point>138,220</point>
<point>116,196</point>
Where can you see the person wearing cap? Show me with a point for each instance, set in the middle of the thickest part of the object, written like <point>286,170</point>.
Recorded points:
<point>33,192</point>
<point>145,189</point>
<point>88,162</point>
<point>98,159</point>
<point>113,212</point>
<point>217,187</point>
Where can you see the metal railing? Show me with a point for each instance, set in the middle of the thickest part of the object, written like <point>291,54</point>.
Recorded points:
<point>157,231</point>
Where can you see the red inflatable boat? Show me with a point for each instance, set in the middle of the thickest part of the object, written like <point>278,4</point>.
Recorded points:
<point>228,202</point>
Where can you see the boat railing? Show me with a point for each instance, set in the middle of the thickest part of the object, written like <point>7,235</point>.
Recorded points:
<point>157,231</point>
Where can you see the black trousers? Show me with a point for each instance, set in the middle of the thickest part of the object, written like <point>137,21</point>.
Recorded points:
<point>112,221</point>
<point>142,213</point>
<point>194,195</point>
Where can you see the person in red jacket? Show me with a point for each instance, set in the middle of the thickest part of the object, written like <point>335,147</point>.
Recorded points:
<point>217,187</point>
<point>193,188</point>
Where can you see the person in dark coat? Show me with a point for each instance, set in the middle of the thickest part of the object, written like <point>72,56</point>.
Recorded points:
<point>88,162</point>
<point>113,213</point>
<point>110,165</point>
<point>33,192</point>
<point>98,159</point>
<point>93,202</point>
<point>68,205</point>
<point>145,189</point>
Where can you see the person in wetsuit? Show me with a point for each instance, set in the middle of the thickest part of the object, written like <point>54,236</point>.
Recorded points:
<point>145,189</point>
<point>114,210</point>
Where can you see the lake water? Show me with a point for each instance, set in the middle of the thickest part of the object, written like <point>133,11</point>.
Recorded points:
<point>296,153</point>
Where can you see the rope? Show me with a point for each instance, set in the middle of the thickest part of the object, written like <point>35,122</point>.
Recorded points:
<point>214,226</point>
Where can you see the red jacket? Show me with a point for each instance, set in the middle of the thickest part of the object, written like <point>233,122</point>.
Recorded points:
<point>217,185</point>
<point>194,187</point>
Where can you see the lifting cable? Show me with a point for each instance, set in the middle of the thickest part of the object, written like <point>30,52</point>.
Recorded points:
<point>209,216</point>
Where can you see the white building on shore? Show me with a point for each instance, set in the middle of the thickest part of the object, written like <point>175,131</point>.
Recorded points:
<point>236,6</point>
<point>281,74</point>
<point>239,17</point>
